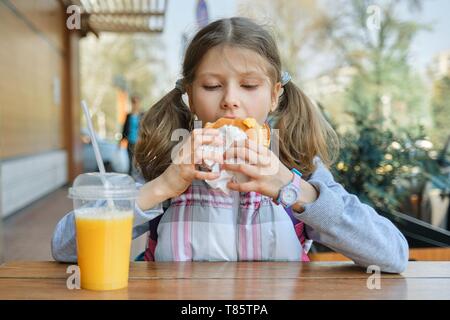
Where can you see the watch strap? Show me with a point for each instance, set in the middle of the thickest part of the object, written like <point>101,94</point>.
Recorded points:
<point>295,182</point>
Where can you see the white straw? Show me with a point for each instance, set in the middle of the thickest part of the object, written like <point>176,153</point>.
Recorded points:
<point>98,156</point>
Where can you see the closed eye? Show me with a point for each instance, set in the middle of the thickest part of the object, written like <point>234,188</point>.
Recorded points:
<point>250,87</point>
<point>210,87</point>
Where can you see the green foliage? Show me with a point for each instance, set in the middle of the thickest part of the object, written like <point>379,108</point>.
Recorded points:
<point>383,167</point>
<point>385,84</point>
<point>440,106</point>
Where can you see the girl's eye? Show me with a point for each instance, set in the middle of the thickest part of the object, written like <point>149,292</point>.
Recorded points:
<point>211,87</point>
<point>250,86</point>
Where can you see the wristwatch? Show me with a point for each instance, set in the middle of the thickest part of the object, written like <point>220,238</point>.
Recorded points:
<point>290,193</point>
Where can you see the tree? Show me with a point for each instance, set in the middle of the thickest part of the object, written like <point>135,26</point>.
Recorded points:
<point>385,86</point>
<point>440,106</point>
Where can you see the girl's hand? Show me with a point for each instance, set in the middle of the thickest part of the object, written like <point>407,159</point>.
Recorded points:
<point>185,158</point>
<point>266,172</point>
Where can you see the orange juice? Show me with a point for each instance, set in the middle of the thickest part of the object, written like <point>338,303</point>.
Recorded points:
<point>103,245</point>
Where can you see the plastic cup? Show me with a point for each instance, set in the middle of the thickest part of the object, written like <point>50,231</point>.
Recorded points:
<point>104,223</point>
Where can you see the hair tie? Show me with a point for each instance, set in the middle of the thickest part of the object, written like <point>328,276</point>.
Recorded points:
<point>179,86</point>
<point>285,78</point>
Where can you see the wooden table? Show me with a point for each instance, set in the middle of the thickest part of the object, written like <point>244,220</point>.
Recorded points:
<point>229,280</point>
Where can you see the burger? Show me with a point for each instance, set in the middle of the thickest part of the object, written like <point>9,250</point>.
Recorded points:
<point>254,131</point>
<point>233,130</point>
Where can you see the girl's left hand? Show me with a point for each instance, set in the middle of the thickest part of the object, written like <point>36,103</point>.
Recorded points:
<point>266,172</point>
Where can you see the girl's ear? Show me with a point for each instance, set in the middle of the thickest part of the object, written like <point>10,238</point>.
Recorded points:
<point>276,93</point>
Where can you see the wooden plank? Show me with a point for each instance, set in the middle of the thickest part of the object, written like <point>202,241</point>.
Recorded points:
<point>327,256</point>
<point>415,254</point>
<point>430,254</point>
<point>233,289</point>
<point>231,270</point>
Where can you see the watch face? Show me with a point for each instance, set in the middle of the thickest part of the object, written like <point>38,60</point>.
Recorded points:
<point>289,196</point>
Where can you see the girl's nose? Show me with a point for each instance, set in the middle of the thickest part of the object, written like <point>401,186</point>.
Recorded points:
<point>230,99</point>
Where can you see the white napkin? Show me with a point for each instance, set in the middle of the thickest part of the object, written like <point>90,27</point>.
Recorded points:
<point>230,134</point>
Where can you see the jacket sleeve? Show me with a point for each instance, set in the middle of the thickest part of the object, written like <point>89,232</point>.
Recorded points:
<point>341,222</point>
<point>63,243</point>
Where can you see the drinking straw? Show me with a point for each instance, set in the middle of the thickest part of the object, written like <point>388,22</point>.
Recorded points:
<point>98,156</point>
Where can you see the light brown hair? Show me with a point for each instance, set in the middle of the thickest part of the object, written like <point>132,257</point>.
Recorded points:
<point>303,131</point>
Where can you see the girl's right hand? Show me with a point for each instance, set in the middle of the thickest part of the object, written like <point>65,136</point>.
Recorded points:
<point>186,158</point>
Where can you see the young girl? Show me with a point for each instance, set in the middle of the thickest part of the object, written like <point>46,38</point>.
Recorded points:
<point>232,69</point>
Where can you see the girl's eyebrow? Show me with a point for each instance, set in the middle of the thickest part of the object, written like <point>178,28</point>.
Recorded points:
<point>253,73</point>
<point>243,74</point>
<point>210,74</point>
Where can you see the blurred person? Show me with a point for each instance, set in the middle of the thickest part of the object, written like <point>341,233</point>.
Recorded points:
<point>131,129</point>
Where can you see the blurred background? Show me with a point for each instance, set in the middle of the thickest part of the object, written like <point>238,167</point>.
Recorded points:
<point>379,71</point>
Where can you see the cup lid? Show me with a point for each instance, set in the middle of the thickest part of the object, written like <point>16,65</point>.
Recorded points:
<point>93,185</point>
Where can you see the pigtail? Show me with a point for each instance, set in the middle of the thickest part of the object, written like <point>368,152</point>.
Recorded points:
<point>303,132</point>
<point>154,145</point>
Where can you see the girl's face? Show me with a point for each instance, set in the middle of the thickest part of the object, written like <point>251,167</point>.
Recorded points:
<point>234,83</point>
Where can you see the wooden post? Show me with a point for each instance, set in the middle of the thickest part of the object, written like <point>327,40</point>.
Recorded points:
<point>71,92</point>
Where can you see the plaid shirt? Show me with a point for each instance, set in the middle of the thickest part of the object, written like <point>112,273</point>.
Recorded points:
<point>206,224</point>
